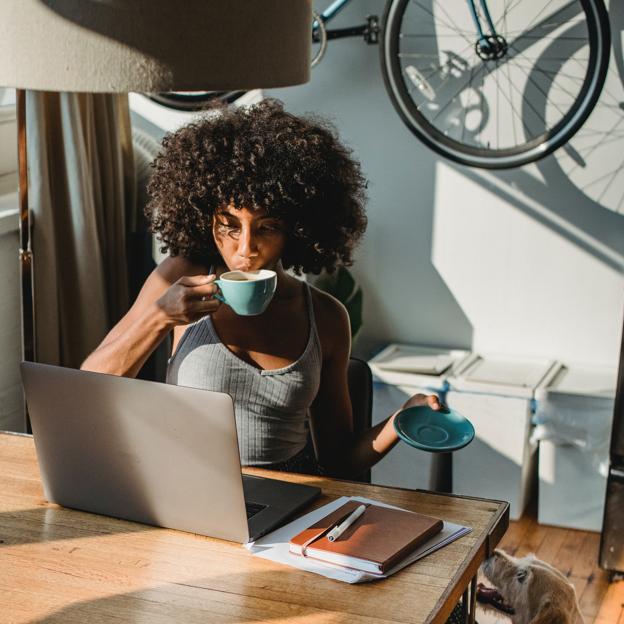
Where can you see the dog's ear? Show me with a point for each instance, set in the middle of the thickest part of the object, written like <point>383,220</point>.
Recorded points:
<point>549,614</point>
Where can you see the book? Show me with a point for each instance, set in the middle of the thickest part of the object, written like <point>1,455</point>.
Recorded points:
<point>376,542</point>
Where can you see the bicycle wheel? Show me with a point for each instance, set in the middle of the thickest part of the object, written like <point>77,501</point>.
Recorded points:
<point>498,99</point>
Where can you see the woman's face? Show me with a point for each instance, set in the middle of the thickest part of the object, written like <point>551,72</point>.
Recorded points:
<point>248,240</point>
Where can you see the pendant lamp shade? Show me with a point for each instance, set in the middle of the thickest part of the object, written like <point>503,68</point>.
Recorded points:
<point>154,45</point>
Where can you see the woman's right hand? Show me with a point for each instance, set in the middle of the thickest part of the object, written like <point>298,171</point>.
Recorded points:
<point>189,299</point>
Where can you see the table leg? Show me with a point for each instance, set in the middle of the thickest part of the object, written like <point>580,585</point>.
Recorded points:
<point>469,603</point>
<point>473,600</point>
<point>465,602</point>
<point>441,478</point>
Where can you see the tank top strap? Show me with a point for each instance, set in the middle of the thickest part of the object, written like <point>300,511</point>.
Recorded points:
<point>310,303</point>
<point>314,335</point>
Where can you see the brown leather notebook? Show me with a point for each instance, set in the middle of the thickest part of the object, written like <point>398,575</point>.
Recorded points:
<point>378,540</point>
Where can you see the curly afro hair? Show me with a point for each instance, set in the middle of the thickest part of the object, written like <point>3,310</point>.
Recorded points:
<point>262,158</point>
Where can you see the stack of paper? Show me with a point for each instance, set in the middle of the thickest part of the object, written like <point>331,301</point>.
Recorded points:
<point>275,545</point>
<point>407,363</point>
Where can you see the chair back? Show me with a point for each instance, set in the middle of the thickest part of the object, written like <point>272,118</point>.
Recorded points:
<point>360,383</point>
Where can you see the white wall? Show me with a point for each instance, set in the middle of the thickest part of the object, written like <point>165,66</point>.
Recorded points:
<point>520,262</point>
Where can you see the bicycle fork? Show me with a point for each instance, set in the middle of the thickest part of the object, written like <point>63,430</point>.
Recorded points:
<point>491,46</point>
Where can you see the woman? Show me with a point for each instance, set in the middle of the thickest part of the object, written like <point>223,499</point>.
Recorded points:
<point>248,189</point>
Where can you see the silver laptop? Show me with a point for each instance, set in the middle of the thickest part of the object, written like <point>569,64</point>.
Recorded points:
<point>150,452</point>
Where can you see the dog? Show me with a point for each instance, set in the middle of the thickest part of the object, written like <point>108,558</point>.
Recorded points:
<point>531,591</point>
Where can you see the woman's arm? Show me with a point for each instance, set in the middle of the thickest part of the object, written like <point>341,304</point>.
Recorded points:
<point>172,295</point>
<point>338,450</point>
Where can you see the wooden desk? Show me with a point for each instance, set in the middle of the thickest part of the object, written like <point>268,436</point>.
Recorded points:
<point>65,566</point>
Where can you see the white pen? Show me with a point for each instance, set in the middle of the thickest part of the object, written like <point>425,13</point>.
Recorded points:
<point>337,531</point>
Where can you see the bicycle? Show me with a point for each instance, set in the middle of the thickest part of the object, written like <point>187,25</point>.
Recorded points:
<point>486,83</point>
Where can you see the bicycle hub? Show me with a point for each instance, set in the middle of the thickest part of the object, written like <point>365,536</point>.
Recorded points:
<point>491,47</point>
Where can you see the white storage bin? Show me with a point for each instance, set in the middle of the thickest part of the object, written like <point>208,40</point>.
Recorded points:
<point>496,394</point>
<point>399,371</point>
<point>574,412</point>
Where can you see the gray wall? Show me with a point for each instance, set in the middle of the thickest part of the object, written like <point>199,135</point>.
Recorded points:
<point>526,262</point>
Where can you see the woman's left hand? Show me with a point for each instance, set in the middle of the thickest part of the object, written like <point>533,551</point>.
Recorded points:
<point>430,400</point>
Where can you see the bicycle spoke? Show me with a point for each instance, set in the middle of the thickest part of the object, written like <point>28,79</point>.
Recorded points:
<point>450,100</point>
<point>441,6</point>
<point>571,4</point>
<point>415,55</point>
<point>519,114</point>
<point>546,5</point>
<point>537,86</point>
<point>555,58</point>
<point>433,73</point>
<point>506,13</point>
<point>555,38</point>
<point>552,72</point>
<point>549,74</point>
<point>425,79</point>
<point>431,36</point>
<point>426,10</point>
<point>468,102</point>
<point>548,26</point>
<point>436,20</point>
<point>522,99</point>
<point>527,34</point>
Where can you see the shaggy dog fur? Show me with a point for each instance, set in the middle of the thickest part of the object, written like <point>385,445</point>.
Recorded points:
<point>538,593</point>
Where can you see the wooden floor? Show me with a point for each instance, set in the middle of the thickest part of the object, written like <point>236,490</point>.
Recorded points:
<point>575,553</point>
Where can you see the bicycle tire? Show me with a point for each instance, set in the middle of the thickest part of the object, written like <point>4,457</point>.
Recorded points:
<point>598,41</point>
<point>194,101</point>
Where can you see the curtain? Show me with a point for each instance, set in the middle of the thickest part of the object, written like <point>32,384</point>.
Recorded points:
<point>82,194</point>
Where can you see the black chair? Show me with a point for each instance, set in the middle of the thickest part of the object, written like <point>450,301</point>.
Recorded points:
<point>360,382</point>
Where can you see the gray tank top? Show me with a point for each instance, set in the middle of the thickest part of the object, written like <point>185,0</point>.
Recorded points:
<point>271,406</point>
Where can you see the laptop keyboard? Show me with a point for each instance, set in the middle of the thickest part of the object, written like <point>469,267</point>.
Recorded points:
<point>253,508</point>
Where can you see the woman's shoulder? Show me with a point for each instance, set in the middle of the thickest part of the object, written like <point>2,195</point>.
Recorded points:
<point>332,320</point>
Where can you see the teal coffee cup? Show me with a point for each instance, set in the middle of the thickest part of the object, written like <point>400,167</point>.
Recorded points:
<point>247,292</point>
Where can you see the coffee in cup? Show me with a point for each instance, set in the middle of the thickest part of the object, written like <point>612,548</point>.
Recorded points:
<point>248,293</point>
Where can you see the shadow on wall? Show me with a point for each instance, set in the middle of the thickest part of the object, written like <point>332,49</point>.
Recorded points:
<point>587,173</point>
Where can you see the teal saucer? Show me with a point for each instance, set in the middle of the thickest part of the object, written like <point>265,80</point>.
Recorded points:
<point>436,432</point>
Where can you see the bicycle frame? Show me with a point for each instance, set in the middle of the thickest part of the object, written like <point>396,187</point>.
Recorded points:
<point>370,30</point>
<point>488,43</point>
<point>333,9</point>
<point>477,22</point>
